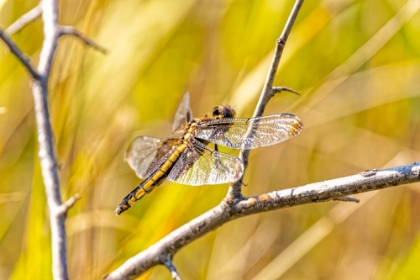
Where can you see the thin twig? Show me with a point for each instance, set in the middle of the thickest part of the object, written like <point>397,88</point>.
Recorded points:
<point>24,20</point>
<point>70,30</point>
<point>234,192</point>
<point>19,55</point>
<point>167,261</point>
<point>68,204</point>
<point>278,51</point>
<point>224,212</point>
<point>276,90</point>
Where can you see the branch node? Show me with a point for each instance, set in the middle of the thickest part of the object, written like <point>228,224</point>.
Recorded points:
<point>68,204</point>
<point>167,261</point>
<point>368,173</point>
<point>281,42</point>
<point>347,198</point>
<point>70,30</point>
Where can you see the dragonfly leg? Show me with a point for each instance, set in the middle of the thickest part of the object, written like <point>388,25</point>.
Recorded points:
<point>226,140</point>
<point>218,163</point>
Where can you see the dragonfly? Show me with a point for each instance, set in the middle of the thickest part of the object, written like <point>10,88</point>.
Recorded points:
<point>187,158</point>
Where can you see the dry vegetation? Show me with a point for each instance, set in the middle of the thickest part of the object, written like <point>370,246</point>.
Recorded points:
<point>357,66</point>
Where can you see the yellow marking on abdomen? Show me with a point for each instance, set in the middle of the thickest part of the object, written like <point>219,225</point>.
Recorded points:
<point>157,178</point>
<point>162,172</point>
<point>139,194</point>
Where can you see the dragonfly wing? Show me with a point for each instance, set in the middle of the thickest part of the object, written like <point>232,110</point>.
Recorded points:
<point>145,154</point>
<point>200,165</point>
<point>183,114</point>
<point>266,130</point>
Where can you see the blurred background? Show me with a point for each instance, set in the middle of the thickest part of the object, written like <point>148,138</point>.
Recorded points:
<point>356,65</point>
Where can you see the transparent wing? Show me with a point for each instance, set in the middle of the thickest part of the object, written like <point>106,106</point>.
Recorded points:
<point>266,130</point>
<point>183,114</point>
<point>200,165</point>
<point>145,154</point>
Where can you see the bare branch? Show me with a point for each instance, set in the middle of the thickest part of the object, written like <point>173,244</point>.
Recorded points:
<point>24,20</point>
<point>51,34</point>
<point>267,92</point>
<point>278,51</point>
<point>224,212</point>
<point>17,52</point>
<point>57,210</point>
<point>45,139</point>
<point>174,241</point>
<point>70,30</point>
<point>331,190</point>
<point>50,176</point>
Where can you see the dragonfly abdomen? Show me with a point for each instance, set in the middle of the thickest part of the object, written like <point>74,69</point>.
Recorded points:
<point>154,180</point>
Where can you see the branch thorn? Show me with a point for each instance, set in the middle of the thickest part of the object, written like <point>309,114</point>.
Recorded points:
<point>68,204</point>
<point>347,198</point>
<point>276,90</point>
<point>70,30</point>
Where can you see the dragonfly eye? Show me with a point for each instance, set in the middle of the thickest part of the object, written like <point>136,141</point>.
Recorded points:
<point>217,111</point>
<point>223,112</point>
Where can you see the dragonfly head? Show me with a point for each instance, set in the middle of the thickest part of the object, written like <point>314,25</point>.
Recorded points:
<point>223,112</point>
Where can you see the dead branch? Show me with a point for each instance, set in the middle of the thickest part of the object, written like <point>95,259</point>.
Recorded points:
<point>39,85</point>
<point>225,211</point>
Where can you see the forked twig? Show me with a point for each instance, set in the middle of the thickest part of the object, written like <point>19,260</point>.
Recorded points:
<point>57,209</point>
